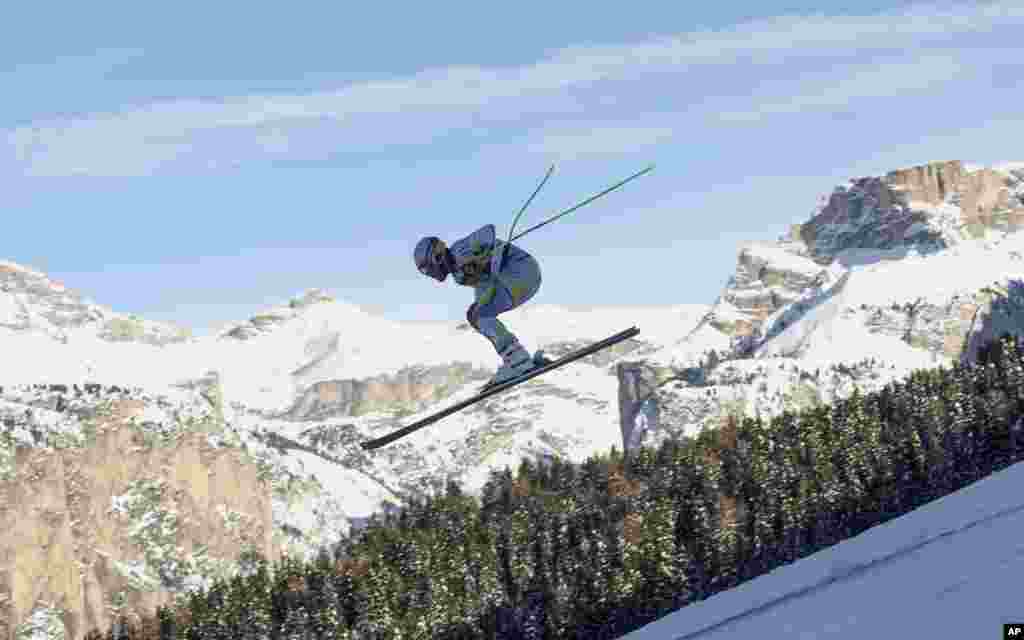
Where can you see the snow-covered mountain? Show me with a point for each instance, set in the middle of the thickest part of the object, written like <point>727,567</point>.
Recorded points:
<point>33,304</point>
<point>912,270</point>
<point>909,270</point>
<point>49,332</point>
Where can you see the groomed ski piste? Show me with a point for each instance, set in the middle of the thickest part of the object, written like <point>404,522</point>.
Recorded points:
<point>953,568</point>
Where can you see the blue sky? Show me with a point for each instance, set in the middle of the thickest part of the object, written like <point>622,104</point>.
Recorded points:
<point>200,161</point>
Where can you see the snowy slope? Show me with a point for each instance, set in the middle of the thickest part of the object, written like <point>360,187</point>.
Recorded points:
<point>950,569</point>
<point>825,335</point>
<point>334,340</point>
<point>298,345</point>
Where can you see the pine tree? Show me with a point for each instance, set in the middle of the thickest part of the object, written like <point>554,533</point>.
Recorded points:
<point>759,490</point>
<point>655,553</point>
<point>584,593</point>
<point>1012,367</point>
<point>865,423</point>
<point>199,616</point>
<point>448,570</point>
<point>324,604</point>
<point>826,489</point>
<point>959,441</point>
<point>519,538</point>
<point>914,460</point>
<point>168,628</point>
<point>380,618</point>
<point>483,557</point>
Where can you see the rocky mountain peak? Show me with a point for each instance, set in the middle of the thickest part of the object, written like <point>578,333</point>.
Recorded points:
<point>926,207</point>
<point>265,321</point>
<point>309,298</point>
<point>32,302</point>
<point>914,210</point>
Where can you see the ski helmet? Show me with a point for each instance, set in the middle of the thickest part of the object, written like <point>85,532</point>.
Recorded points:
<point>429,260</point>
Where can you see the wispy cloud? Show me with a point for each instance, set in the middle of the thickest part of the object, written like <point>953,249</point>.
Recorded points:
<point>856,82</point>
<point>421,108</point>
<point>599,138</point>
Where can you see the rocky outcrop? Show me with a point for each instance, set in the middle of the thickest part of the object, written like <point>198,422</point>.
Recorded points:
<point>119,521</point>
<point>767,278</point>
<point>901,211</point>
<point>777,285</point>
<point>268,320</point>
<point>997,311</point>
<point>635,386</point>
<point>406,391</point>
<point>929,207</point>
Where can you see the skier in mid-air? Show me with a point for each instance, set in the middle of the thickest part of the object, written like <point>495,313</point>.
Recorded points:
<point>503,277</point>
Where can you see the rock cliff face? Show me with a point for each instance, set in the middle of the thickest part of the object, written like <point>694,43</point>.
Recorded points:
<point>929,207</point>
<point>788,298</point>
<point>406,391</point>
<point>1000,310</point>
<point>102,515</point>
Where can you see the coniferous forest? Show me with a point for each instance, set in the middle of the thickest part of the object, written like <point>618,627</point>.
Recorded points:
<point>597,549</point>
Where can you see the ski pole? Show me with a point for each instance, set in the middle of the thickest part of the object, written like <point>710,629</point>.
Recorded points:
<point>504,250</point>
<point>587,201</point>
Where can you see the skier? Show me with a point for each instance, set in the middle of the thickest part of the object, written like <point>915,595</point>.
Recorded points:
<point>503,277</point>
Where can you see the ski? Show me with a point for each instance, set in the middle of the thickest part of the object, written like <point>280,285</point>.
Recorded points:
<point>376,443</point>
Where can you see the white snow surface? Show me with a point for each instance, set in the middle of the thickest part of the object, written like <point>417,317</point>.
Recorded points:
<point>781,258</point>
<point>823,336</point>
<point>28,357</point>
<point>937,277</point>
<point>338,341</point>
<point>948,570</point>
<point>328,340</point>
<point>1007,167</point>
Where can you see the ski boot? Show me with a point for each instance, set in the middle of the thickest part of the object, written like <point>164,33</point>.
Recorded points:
<point>516,362</point>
